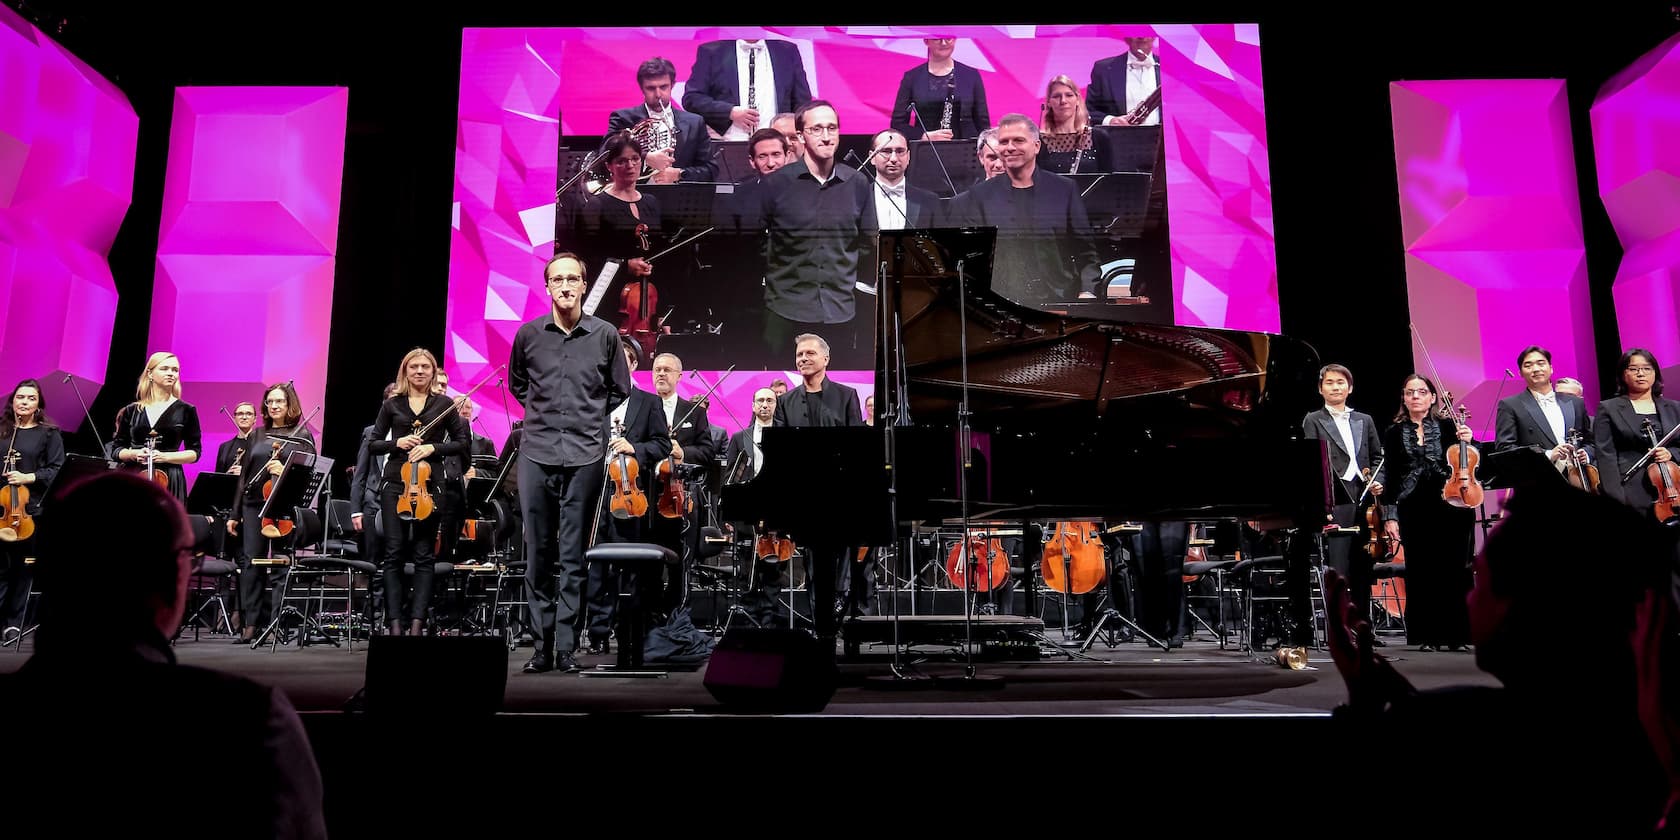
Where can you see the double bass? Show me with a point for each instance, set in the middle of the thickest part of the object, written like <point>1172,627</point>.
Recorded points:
<point>1073,559</point>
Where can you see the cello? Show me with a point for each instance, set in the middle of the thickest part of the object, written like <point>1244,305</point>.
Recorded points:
<point>977,553</point>
<point>15,522</point>
<point>1080,568</point>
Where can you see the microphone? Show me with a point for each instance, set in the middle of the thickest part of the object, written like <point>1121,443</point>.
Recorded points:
<point>936,158</point>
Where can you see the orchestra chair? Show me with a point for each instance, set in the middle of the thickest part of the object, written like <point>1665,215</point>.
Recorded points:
<point>1389,597</point>
<point>220,574</point>
<point>1218,568</point>
<point>31,606</point>
<point>644,561</point>
<point>316,562</point>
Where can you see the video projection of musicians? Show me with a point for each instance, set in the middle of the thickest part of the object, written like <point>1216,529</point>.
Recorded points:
<point>725,203</point>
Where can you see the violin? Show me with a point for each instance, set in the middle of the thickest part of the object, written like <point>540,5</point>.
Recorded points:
<point>628,500</point>
<point>1462,488</point>
<point>985,556</point>
<point>150,453</point>
<point>1665,480</point>
<point>1080,568</point>
<point>674,502</point>
<point>772,548</point>
<point>15,522</point>
<point>637,304</point>
<point>1580,475</point>
<point>415,501</point>
<point>274,528</point>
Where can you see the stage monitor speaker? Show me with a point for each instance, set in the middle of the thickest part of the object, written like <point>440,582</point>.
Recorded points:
<point>772,670</point>
<point>453,675</point>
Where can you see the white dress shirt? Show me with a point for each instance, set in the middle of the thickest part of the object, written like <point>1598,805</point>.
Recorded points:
<point>1344,427</point>
<point>1140,82</point>
<point>615,420</point>
<point>1554,413</point>
<point>764,85</point>
<point>890,204</point>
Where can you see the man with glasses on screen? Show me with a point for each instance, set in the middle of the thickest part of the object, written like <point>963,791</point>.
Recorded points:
<point>811,211</point>
<point>1044,250</point>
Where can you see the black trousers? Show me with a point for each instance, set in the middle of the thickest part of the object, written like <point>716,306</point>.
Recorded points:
<point>405,543</point>
<point>255,610</point>
<point>1159,553</point>
<point>556,503</point>
<point>373,551</point>
<point>15,580</point>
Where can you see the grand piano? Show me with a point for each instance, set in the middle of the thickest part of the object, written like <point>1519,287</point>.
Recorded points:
<point>1073,413</point>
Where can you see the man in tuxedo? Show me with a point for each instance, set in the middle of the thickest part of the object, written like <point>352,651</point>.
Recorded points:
<point>636,428</point>
<point>739,86</point>
<point>244,419</point>
<point>892,204</point>
<point>690,159</point>
<point>691,444</point>
<point>1541,416</point>
<point>820,402</point>
<point>743,460</point>
<point>1120,82</point>
<point>1355,447</point>
<point>1044,251</point>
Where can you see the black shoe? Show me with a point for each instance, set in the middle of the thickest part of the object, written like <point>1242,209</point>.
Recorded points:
<point>599,647</point>
<point>1458,648</point>
<point>541,662</point>
<point>1426,648</point>
<point>567,663</point>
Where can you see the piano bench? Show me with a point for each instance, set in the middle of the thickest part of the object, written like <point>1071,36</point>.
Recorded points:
<point>638,559</point>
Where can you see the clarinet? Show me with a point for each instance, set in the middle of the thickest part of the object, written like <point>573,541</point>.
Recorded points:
<point>950,97</point>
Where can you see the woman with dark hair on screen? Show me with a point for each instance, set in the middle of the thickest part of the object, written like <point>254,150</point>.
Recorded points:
<point>1619,429</point>
<point>1437,535</point>
<point>619,224</point>
<point>158,407</point>
<point>948,96</point>
<point>34,453</point>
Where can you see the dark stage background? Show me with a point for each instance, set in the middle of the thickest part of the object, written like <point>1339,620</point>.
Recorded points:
<point>1341,276</point>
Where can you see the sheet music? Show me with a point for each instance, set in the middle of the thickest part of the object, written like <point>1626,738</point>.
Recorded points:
<point>608,272</point>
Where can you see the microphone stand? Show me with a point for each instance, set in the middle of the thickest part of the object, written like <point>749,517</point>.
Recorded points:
<point>1487,430</point>
<point>92,426</point>
<point>936,158</point>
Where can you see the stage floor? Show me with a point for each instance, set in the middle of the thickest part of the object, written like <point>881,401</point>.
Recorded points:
<point>1131,679</point>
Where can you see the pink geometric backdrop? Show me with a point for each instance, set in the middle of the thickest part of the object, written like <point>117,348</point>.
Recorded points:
<point>1635,125</point>
<point>67,140</point>
<point>247,246</point>
<point>1492,230</point>
<point>515,81</point>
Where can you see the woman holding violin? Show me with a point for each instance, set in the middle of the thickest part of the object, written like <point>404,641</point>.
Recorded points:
<point>33,453</point>
<point>615,225</point>
<point>427,428</point>
<point>1620,438</point>
<point>266,454</point>
<point>1437,535</point>
<point>159,424</point>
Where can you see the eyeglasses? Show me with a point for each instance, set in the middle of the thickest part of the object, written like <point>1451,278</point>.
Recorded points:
<point>1416,392</point>
<point>566,280</point>
<point>822,130</point>
<point>1641,369</point>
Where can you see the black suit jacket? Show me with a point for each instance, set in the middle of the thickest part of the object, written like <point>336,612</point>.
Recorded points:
<point>694,146</point>
<point>969,114</point>
<point>225,453</point>
<point>1520,422</point>
<point>713,87</point>
<point>921,208</point>
<point>366,482</point>
<point>645,428</point>
<point>1619,442</point>
<point>1367,443</point>
<point>1106,95</point>
<point>694,434</point>
<point>834,405</point>
<point>738,462</point>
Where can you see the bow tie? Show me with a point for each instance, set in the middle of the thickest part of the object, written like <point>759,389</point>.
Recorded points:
<point>758,47</point>
<point>1548,399</point>
<point>896,192</point>
<point>1139,65</point>
<point>1338,415</point>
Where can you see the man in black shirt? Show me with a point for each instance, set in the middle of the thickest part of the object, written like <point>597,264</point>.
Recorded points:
<point>1044,251</point>
<point>811,210</point>
<point>819,401</point>
<point>567,369</point>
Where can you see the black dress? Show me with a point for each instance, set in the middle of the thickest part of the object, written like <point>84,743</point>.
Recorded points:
<point>919,86</point>
<point>605,229</point>
<point>1437,536</point>
<point>40,451</point>
<point>177,429</point>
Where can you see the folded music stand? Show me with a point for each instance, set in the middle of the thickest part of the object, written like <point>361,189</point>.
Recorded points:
<point>75,469</point>
<point>212,493</point>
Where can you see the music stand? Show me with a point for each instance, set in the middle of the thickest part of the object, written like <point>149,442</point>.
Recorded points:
<point>685,205</point>
<point>1116,202</point>
<point>212,493</point>
<point>960,163</point>
<point>75,469</point>
<point>1129,148</point>
<point>296,487</point>
<point>729,160</point>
